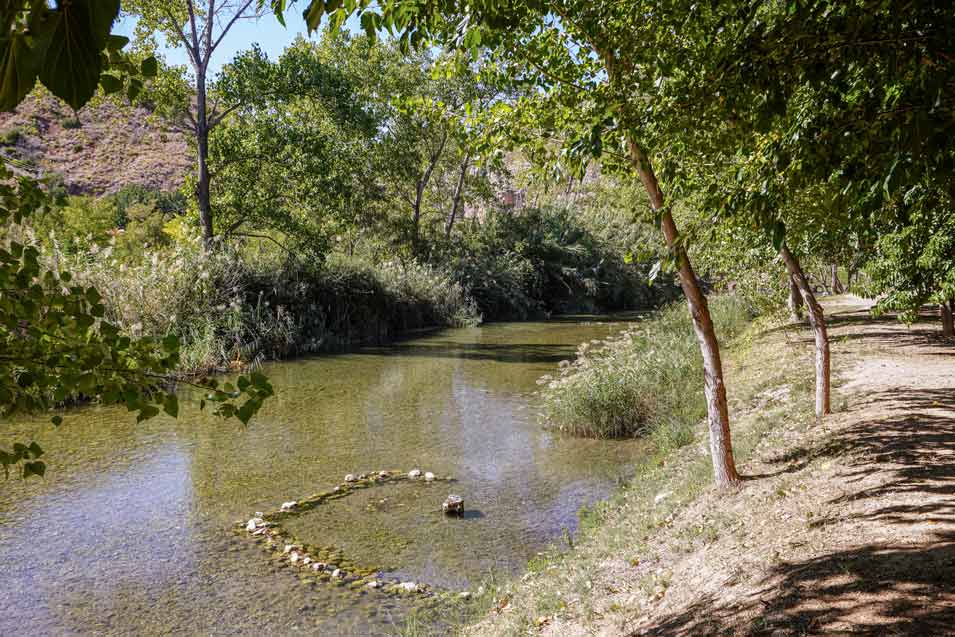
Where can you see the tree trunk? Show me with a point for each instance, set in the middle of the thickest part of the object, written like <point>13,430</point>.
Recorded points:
<point>818,322</point>
<point>795,300</point>
<point>835,283</point>
<point>202,142</point>
<point>458,195</point>
<point>721,448</point>
<point>948,325</point>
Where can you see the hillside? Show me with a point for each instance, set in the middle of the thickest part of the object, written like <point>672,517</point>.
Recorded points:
<point>96,151</point>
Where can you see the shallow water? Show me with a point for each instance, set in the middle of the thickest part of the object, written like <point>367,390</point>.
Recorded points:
<point>130,530</point>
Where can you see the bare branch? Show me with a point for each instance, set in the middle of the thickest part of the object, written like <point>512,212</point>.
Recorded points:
<point>238,14</point>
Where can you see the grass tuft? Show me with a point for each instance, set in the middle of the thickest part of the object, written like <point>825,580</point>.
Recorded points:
<point>646,381</point>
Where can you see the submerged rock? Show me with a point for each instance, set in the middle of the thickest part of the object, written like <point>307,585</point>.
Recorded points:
<point>453,505</point>
<point>414,473</point>
<point>429,476</point>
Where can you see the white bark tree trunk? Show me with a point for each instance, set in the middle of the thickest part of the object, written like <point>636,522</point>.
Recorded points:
<point>817,320</point>
<point>721,447</point>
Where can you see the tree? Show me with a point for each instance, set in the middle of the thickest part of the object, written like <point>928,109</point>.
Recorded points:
<point>913,259</point>
<point>597,66</point>
<point>56,345</point>
<point>198,26</point>
<point>295,158</point>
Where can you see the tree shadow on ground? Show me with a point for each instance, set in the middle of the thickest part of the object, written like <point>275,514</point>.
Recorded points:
<point>893,586</point>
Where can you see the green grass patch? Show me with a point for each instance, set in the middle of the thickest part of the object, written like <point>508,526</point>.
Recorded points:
<point>646,381</point>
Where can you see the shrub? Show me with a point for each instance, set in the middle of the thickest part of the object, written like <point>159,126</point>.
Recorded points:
<point>71,122</point>
<point>646,381</point>
<point>229,309</point>
<point>11,137</point>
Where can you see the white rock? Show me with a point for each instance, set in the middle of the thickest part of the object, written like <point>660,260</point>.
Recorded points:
<point>293,557</point>
<point>254,523</point>
<point>411,587</point>
<point>464,595</point>
<point>382,474</point>
<point>414,473</point>
<point>259,514</point>
<point>429,476</point>
<point>318,566</point>
<point>661,497</point>
<point>288,548</point>
<point>338,573</point>
<point>306,560</point>
<point>288,506</point>
<point>373,584</point>
<point>350,478</point>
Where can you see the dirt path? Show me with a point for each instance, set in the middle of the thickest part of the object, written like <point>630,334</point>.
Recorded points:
<point>850,529</point>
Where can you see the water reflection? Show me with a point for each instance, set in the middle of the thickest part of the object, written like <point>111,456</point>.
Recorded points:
<point>129,532</point>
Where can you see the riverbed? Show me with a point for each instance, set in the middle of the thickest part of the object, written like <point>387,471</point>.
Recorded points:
<point>131,530</point>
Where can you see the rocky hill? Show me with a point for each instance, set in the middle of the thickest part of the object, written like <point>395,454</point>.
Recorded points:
<point>97,150</point>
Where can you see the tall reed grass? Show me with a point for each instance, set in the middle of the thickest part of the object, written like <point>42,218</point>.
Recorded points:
<point>231,309</point>
<point>646,381</point>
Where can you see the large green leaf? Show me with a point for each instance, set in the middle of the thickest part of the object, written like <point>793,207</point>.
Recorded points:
<point>74,61</point>
<point>21,58</point>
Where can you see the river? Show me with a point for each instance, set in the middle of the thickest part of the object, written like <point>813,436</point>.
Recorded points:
<point>131,530</point>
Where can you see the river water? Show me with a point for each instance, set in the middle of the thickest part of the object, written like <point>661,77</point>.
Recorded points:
<point>130,532</point>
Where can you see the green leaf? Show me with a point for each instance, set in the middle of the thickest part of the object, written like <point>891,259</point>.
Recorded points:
<point>170,405</point>
<point>21,58</point>
<point>779,235</point>
<point>57,420</point>
<point>36,468</point>
<point>116,42</point>
<point>134,89</point>
<point>149,67</point>
<point>73,61</point>
<point>171,343</point>
<point>313,15</point>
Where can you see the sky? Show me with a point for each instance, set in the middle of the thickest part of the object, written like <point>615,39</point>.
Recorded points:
<point>271,36</point>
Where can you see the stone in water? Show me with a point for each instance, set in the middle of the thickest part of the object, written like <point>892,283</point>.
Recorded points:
<point>254,523</point>
<point>288,506</point>
<point>350,478</point>
<point>453,505</point>
<point>429,476</point>
<point>414,473</point>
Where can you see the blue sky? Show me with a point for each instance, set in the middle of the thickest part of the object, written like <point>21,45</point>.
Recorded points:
<point>267,32</point>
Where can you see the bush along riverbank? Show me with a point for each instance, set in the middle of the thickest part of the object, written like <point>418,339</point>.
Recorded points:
<point>646,381</point>
<point>238,304</point>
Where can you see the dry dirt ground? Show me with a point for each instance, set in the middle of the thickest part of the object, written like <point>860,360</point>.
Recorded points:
<point>844,527</point>
<point>863,530</point>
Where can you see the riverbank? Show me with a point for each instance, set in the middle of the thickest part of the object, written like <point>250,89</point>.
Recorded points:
<point>827,512</point>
